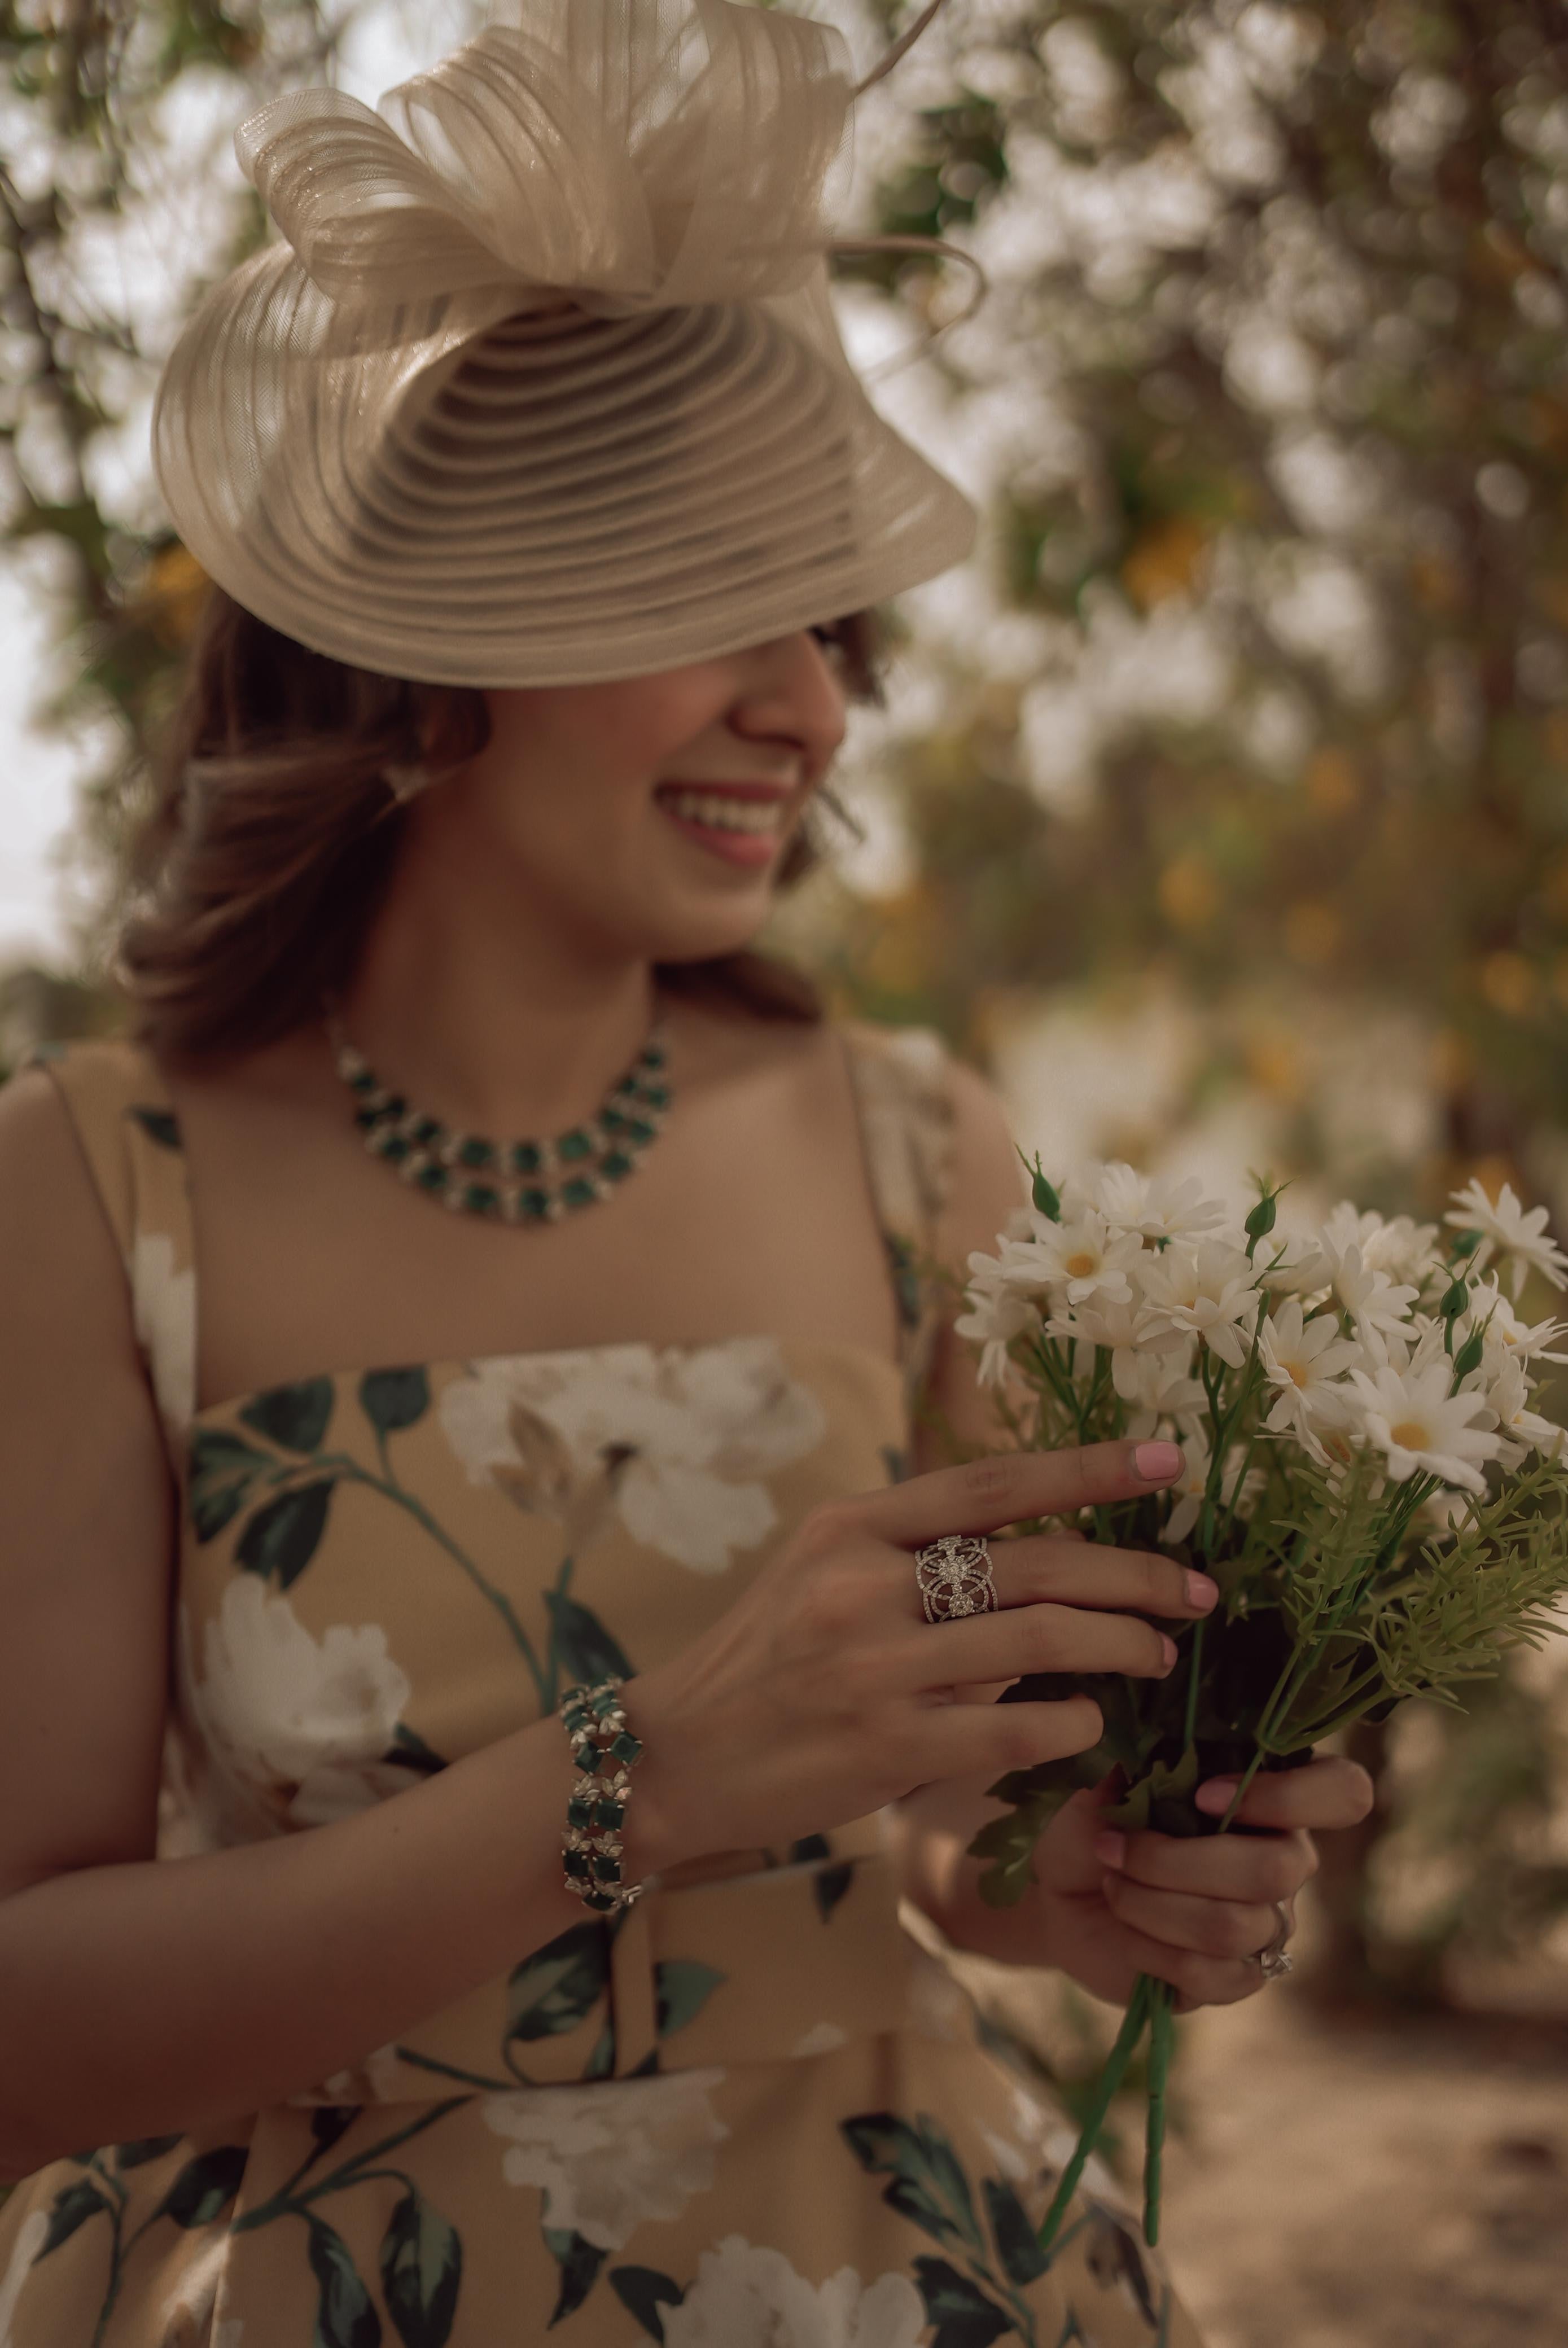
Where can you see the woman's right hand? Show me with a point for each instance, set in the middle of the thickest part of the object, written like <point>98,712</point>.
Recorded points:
<point>824,1694</point>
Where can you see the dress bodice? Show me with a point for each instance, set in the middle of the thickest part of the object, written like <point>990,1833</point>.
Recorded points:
<point>746,2110</point>
<point>383,1570</point>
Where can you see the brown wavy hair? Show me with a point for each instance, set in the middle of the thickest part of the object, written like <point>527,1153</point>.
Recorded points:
<point>265,856</point>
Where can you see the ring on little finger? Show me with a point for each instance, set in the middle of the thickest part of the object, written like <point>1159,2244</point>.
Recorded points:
<point>1274,1961</point>
<point>953,1576</point>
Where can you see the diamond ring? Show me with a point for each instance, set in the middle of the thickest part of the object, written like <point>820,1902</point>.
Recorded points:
<point>1274,1961</point>
<point>953,1576</point>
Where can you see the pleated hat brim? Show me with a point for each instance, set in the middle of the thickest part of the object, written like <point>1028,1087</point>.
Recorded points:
<point>544,496</point>
<point>542,385</point>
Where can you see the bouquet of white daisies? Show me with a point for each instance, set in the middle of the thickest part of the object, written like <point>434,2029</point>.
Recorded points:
<point>1367,1478</point>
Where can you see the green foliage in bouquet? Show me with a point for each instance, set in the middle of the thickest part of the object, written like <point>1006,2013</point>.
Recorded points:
<point>1366,1481</point>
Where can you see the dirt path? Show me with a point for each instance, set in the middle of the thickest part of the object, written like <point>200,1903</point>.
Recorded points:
<point>1368,2185</point>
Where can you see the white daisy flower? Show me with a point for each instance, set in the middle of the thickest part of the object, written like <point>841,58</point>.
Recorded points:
<point>1074,1261</point>
<point>1504,1334</point>
<point>997,1314</point>
<point>1521,1429</point>
<point>1379,1310</point>
<point>1397,1245</point>
<point>1506,1230</point>
<point>1303,1355</point>
<point>1157,1385</point>
<point>1411,1418</point>
<point>1210,1289</point>
<point>1156,1205</point>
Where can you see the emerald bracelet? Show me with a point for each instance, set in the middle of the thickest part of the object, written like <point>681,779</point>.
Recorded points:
<point>604,1750</point>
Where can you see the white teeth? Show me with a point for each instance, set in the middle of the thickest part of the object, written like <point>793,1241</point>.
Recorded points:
<point>720,814</point>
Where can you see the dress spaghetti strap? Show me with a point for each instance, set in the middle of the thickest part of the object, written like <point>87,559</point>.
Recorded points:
<point>120,1110</point>
<point>903,1094</point>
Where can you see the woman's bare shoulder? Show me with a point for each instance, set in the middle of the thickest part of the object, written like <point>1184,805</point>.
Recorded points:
<point>62,1264</point>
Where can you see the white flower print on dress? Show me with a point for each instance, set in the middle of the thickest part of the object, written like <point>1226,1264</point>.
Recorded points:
<point>164,1303</point>
<point>609,2155</point>
<point>303,1722</point>
<point>748,2296</point>
<point>691,1434</point>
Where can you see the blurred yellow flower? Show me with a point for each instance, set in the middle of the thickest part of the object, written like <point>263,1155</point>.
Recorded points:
<point>1333,784</point>
<point>1508,984</point>
<point>1187,891</point>
<point>170,603</point>
<point>1165,561</point>
<point>1312,932</point>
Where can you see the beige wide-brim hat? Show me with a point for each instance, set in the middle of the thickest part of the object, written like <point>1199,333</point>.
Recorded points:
<point>542,385</point>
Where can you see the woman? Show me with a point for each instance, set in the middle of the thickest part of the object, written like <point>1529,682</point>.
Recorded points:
<point>320,1540</point>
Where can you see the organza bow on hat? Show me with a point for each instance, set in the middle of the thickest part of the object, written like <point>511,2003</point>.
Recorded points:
<point>541,382</point>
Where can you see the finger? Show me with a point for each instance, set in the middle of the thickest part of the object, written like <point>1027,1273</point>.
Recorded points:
<point>959,1740</point>
<point>1210,1928</point>
<point>983,1495</point>
<point>1247,1868</point>
<point>1036,1639</point>
<point>1197,1980</point>
<point>1329,1792</point>
<point>1075,1572</point>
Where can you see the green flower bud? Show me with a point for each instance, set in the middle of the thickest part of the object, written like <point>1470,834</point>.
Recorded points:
<point>1455,1299</point>
<point>1468,1358</point>
<point>1261,1222</point>
<point>1046,1199</point>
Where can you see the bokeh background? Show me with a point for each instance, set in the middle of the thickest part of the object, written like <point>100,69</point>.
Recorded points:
<point>1220,808</point>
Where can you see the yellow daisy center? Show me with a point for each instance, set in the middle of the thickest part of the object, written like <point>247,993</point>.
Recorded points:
<point>1080,1266</point>
<point>1410,1434</point>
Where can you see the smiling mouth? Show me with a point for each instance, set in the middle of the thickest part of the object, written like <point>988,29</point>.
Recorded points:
<point>724,810</point>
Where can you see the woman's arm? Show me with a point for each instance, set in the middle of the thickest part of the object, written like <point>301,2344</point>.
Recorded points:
<point>137,1998</point>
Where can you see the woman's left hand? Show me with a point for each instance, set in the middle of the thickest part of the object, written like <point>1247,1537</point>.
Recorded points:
<point>1194,1912</point>
<point>1110,1904</point>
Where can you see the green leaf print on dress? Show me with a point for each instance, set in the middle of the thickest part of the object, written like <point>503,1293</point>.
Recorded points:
<point>298,1416</point>
<point>928,2186</point>
<point>289,1493</point>
<point>394,1399</point>
<point>222,1469</point>
<point>280,1539</point>
<point>421,2272</point>
<point>344,2318</point>
<point>961,2314</point>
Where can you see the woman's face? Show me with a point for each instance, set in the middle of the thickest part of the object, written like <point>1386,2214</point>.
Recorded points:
<point>647,817</point>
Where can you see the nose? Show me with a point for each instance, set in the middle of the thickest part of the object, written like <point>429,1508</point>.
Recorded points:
<point>792,692</point>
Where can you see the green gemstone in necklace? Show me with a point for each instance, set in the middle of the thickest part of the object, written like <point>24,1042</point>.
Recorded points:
<point>512,1181</point>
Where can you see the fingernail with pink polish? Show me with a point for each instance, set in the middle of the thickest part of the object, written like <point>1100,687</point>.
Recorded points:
<point>1168,1649</point>
<point>1111,1849</point>
<point>1216,1796</point>
<point>1202,1590</point>
<point>1156,1463</point>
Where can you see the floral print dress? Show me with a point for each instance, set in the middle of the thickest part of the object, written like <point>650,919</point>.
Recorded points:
<point>750,2113</point>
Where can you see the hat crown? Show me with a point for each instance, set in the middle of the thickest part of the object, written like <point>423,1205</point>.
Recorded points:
<point>624,154</point>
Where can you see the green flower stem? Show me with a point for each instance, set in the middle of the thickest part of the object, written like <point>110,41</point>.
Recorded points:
<point>1109,2079</point>
<point>284,2203</point>
<point>469,2078</point>
<point>563,1585</point>
<point>391,1489</point>
<point>1194,1674</point>
<point>1162,2038</point>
